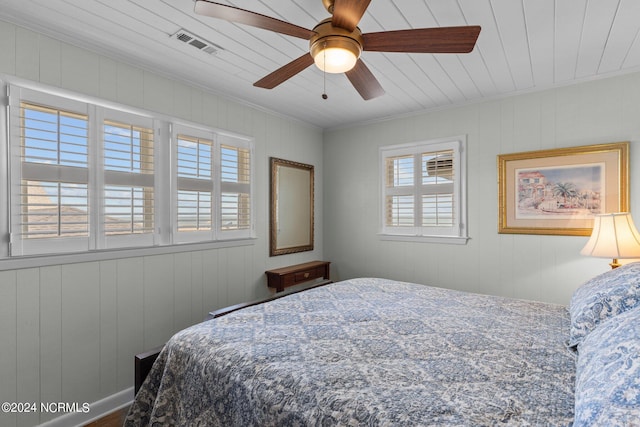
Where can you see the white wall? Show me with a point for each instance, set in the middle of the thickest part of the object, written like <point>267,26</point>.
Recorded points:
<point>69,332</point>
<point>546,268</point>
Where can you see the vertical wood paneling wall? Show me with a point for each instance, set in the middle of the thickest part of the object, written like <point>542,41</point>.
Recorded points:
<point>68,333</point>
<point>546,268</point>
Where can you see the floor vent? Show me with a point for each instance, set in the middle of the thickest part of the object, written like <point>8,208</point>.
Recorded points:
<point>197,42</point>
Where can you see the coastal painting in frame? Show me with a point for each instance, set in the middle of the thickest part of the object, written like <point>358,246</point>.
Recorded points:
<point>559,191</point>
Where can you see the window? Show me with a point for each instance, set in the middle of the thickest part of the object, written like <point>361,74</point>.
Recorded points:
<point>128,160</point>
<point>50,176</point>
<point>213,186</point>
<point>235,188</point>
<point>195,184</point>
<point>87,177</point>
<point>423,187</point>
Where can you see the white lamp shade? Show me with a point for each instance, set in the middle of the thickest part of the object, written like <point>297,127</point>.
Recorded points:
<point>614,236</point>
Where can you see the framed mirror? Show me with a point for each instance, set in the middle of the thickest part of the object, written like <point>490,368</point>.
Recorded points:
<point>291,227</point>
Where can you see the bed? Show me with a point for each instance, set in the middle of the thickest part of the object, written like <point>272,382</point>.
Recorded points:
<point>378,352</point>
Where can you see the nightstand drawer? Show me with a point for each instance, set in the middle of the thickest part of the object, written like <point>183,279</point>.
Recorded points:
<point>303,276</point>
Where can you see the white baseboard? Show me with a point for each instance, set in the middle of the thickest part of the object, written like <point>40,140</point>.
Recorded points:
<point>97,410</point>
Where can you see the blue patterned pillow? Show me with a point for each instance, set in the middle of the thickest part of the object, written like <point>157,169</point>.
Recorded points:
<point>603,297</point>
<point>608,374</point>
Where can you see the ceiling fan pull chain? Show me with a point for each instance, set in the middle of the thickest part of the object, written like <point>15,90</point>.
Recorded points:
<point>324,74</point>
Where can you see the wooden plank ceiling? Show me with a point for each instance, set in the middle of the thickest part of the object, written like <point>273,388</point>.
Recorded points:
<point>524,45</point>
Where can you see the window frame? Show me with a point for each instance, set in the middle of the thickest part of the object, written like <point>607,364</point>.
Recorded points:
<point>106,177</point>
<point>55,244</point>
<point>454,234</point>
<point>193,184</point>
<point>14,248</point>
<point>218,140</point>
<point>232,187</point>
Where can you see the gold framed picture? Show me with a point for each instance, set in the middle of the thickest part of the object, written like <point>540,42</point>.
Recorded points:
<point>559,191</point>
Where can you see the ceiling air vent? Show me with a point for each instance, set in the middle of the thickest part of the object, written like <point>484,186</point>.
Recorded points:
<point>197,42</point>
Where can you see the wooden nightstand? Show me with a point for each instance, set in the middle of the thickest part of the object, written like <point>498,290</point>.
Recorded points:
<point>281,278</point>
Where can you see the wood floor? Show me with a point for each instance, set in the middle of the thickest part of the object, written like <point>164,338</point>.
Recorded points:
<point>114,419</point>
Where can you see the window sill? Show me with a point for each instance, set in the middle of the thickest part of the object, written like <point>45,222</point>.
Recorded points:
<point>451,240</point>
<point>102,255</point>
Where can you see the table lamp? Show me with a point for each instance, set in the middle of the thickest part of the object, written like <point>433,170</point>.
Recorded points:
<point>613,236</point>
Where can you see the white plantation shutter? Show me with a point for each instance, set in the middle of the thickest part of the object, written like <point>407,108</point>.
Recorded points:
<point>194,151</point>
<point>213,176</point>
<point>423,189</point>
<point>235,188</point>
<point>129,179</point>
<point>438,193</point>
<point>194,210</point>
<point>49,139</point>
<point>85,176</point>
<point>195,183</point>
<point>53,209</point>
<point>399,183</point>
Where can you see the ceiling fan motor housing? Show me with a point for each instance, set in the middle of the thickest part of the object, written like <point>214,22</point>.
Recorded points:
<point>327,36</point>
<point>328,4</point>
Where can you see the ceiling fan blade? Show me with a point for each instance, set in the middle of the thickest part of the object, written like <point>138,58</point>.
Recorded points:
<point>423,40</point>
<point>285,73</point>
<point>241,16</point>
<point>364,81</point>
<point>347,13</point>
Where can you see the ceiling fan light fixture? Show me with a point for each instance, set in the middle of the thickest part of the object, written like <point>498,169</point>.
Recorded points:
<point>334,49</point>
<point>335,54</point>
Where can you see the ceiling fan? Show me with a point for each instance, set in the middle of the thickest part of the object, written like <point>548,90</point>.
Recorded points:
<point>335,44</point>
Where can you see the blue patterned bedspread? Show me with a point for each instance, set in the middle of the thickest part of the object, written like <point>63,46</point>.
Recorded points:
<point>369,352</point>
